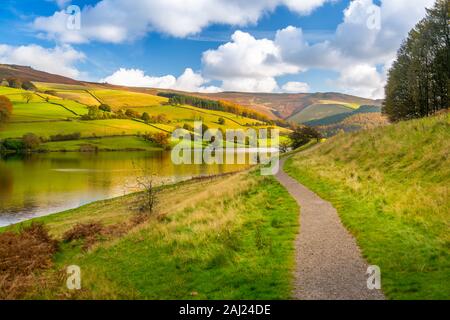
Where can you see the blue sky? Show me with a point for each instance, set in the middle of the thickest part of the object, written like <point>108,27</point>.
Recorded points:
<point>325,51</point>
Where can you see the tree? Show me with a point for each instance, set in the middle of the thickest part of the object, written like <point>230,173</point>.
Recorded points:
<point>31,141</point>
<point>28,85</point>
<point>419,80</point>
<point>15,83</point>
<point>303,135</point>
<point>160,138</point>
<point>105,107</point>
<point>284,146</point>
<point>27,96</point>
<point>6,108</point>
<point>146,117</point>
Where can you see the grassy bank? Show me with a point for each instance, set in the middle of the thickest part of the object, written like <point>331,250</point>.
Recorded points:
<point>391,188</point>
<point>232,238</point>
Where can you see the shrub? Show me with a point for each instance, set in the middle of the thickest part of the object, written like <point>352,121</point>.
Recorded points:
<point>145,117</point>
<point>21,254</point>
<point>66,137</point>
<point>31,141</point>
<point>28,85</point>
<point>13,145</point>
<point>15,83</point>
<point>105,107</point>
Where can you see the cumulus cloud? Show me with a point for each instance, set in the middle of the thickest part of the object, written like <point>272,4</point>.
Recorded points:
<point>246,64</point>
<point>59,60</point>
<point>369,36</point>
<point>188,81</point>
<point>296,87</point>
<point>117,21</point>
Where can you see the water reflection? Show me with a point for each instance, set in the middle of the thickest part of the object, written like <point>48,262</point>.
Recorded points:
<point>39,184</point>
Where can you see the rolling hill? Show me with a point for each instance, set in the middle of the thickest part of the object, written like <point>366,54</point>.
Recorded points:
<point>390,186</point>
<point>274,105</point>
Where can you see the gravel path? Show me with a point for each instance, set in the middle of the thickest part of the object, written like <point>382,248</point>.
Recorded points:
<point>329,262</point>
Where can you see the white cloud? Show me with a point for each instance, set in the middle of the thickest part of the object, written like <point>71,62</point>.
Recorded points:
<point>361,80</point>
<point>59,60</point>
<point>296,87</point>
<point>117,21</point>
<point>188,81</point>
<point>246,64</point>
<point>357,49</point>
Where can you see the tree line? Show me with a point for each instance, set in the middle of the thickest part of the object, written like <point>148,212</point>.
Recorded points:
<point>419,80</point>
<point>215,105</point>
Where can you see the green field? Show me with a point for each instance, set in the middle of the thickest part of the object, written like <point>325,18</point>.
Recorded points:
<point>119,99</point>
<point>59,109</point>
<point>102,144</point>
<point>232,239</point>
<point>319,111</point>
<point>113,127</point>
<point>391,188</point>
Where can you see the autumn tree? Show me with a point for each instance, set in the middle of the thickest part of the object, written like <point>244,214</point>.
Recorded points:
<point>6,108</point>
<point>31,141</point>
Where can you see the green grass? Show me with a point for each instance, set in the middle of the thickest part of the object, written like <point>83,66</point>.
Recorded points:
<point>103,144</point>
<point>319,111</point>
<point>233,238</point>
<point>391,188</point>
<point>113,127</point>
<point>39,111</point>
<point>351,105</point>
<point>119,99</point>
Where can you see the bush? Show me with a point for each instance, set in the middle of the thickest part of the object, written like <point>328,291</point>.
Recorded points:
<point>21,254</point>
<point>13,145</point>
<point>145,117</point>
<point>66,137</point>
<point>105,107</point>
<point>28,85</point>
<point>31,141</point>
<point>302,135</point>
<point>15,83</point>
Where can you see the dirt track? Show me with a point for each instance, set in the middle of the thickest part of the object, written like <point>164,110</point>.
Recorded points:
<point>329,262</point>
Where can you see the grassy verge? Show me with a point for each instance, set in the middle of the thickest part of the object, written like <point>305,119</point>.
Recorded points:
<point>224,238</point>
<point>391,189</point>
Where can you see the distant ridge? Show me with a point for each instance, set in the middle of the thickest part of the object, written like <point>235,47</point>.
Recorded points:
<point>30,74</point>
<point>274,105</point>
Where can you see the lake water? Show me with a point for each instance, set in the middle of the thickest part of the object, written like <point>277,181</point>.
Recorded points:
<point>41,184</point>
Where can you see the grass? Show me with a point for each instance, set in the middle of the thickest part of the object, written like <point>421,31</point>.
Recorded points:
<point>391,188</point>
<point>319,111</point>
<point>103,144</point>
<point>99,128</point>
<point>233,238</point>
<point>351,105</point>
<point>39,111</point>
<point>119,99</point>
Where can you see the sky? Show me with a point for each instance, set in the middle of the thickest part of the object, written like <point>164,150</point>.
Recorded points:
<point>279,46</point>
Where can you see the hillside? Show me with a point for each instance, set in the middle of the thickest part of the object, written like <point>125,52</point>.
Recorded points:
<point>68,117</point>
<point>286,105</point>
<point>390,186</point>
<point>29,74</point>
<point>273,105</point>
